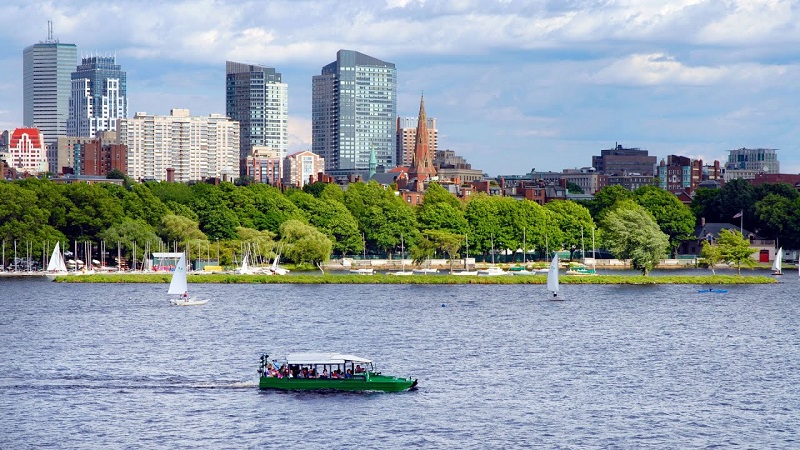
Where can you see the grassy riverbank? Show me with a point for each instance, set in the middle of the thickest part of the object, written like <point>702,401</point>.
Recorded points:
<point>418,279</point>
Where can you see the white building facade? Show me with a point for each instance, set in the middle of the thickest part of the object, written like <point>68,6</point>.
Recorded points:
<point>196,148</point>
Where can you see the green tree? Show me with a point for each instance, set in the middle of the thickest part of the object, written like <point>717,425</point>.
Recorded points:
<point>774,213</point>
<point>332,218</point>
<point>181,229</point>
<point>574,222</point>
<point>93,209</point>
<point>632,233</point>
<point>444,241</point>
<point>710,255</point>
<point>304,243</point>
<point>735,249</point>
<point>673,217</point>
<point>606,199</point>
<point>130,233</point>
<point>442,216</point>
<point>382,216</point>
<point>574,188</point>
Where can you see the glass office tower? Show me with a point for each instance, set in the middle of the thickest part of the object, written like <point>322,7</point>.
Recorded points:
<point>354,110</point>
<point>99,96</point>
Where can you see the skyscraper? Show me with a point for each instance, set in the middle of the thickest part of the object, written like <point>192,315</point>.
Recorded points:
<point>259,101</point>
<point>99,96</point>
<point>354,110</point>
<point>46,71</point>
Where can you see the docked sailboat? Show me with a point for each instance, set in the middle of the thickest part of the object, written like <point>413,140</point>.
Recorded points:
<point>403,271</point>
<point>552,279</point>
<point>777,264</point>
<point>179,287</point>
<point>245,268</point>
<point>492,270</point>
<point>276,269</point>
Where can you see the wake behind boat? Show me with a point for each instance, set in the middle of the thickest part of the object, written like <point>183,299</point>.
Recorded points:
<point>327,371</point>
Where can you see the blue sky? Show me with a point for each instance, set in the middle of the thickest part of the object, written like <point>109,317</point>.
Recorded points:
<point>514,85</point>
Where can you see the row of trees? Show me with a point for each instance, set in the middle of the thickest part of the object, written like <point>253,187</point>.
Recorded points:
<point>310,225</point>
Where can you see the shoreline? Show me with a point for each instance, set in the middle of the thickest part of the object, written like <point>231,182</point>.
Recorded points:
<point>218,278</point>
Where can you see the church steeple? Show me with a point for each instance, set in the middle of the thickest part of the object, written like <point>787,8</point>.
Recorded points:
<point>422,163</point>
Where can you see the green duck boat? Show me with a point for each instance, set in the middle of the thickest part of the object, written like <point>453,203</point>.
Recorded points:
<point>327,371</point>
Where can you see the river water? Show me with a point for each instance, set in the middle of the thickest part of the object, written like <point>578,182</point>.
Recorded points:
<point>114,366</point>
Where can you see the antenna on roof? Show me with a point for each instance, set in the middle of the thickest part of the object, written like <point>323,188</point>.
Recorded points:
<point>50,39</point>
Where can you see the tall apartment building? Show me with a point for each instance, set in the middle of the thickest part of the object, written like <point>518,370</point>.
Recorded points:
<point>72,151</point>
<point>354,111</point>
<point>407,135</point>
<point>259,101</point>
<point>748,162</point>
<point>620,161</point>
<point>195,148</point>
<point>47,67</point>
<point>99,96</point>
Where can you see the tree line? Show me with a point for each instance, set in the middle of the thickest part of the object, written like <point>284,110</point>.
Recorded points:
<point>309,225</point>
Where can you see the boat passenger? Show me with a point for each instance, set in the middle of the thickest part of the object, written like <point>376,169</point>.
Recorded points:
<point>324,373</point>
<point>359,369</point>
<point>349,373</point>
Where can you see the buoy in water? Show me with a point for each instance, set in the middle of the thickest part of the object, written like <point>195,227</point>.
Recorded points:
<point>443,305</point>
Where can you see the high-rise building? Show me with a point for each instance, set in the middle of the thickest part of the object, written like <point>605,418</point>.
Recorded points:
<point>259,101</point>
<point>99,96</point>
<point>354,111</point>
<point>407,135</point>
<point>191,148</point>
<point>46,71</point>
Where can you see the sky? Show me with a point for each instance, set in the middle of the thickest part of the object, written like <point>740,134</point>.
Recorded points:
<point>514,85</point>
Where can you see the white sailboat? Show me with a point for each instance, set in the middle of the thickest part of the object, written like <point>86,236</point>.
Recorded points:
<point>552,279</point>
<point>778,262</point>
<point>245,268</point>
<point>179,287</point>
<point>276,269</point>
<point>364,270</point>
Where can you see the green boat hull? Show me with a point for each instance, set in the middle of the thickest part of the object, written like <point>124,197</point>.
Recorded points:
<point>370,383</point>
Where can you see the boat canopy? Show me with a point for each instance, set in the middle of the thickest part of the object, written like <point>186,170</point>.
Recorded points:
<point>323,358</point>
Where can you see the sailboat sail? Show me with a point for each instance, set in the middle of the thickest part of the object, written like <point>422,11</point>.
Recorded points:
<point>178,285</point>
<point>552,276</point>
<point>776,264</point>
<point>56,263</point>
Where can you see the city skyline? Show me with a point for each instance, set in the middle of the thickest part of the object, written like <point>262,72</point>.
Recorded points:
<point>514,86</point>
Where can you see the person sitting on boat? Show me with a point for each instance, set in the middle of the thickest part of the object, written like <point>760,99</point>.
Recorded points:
<point>185,294</point>
<point>349,373</point>
<point>313,373</point>
<point>324,373</point>
<point>359,369</point>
